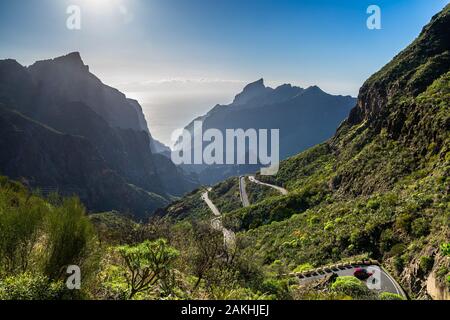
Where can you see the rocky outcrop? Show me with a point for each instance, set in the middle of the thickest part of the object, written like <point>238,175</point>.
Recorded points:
<point>436,288</point>
<point>63,95</point>
<point>67,79</point>
<point>304,117</point>
<point>51,161</point>
<point>408,74</point>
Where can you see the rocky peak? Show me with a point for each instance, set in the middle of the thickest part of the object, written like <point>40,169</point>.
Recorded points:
<point>71,61</point>
<point>251,91</point>
<point>314,89</point>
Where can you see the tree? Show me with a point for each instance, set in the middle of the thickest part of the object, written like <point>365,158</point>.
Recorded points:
<point>208,246</point>
<point>70,237</point>
<point>147,263</point>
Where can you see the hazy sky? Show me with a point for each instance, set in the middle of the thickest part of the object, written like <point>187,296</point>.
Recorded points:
<point>180,57</point>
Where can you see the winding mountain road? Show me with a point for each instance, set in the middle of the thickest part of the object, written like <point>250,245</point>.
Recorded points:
<point>243,192</point>
<point>228,235</point>
<point>281,190</point>
<point>380,281</point>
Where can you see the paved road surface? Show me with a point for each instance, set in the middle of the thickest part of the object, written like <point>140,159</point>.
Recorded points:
<point>386,282</point>
<point>280,189</point>
<point>243,192</point>
<point>228,235</point>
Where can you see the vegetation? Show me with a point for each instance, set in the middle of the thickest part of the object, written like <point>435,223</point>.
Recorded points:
<point>379,189</point>
<point>38,240</point>
<point>147,263</point>
<point>226,196</point>
<point>350,286</point>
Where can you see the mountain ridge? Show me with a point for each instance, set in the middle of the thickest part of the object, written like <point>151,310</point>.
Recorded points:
<point>304,117</point>
<point>62,94</point>
<point>379,187</point>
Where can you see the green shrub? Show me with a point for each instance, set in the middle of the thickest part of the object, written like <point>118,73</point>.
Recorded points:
<point>147,263</point>
<point>303,267</point>
<point>420,227</point>
<point>403,221</point>
<point>445,249</point>
<point>390,296</point>
<point>70,237</point>
<point>27,286</point>
<point>387,240</point>
<point>373,204</point>
<point>399,264</point>
<point>397,250</point>
<point>351,286</point>
<point>426,264</point>
<point>276,287</point>
<point>41,236</point>
<point>21,219</point>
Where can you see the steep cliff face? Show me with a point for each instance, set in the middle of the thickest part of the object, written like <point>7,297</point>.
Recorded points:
<point>67,79</point>
<point>52,161</point>
<point>406,101</point>
<point>385,98</point>
<point>125,150</point>
<point>62,94</point>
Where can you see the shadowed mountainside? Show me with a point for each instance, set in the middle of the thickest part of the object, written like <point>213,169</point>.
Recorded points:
<point>304,117</point>
<point>63,95</point>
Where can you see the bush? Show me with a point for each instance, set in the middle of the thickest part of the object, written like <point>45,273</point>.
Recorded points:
<point>387,240</point>
<point>426,264</point>
<point>43,236</point>
<point>147,263</point>
<point>420,227</point>
<point>303,267</point>
<point>399,264</point>
<point>21,218</point>
<point>403,221</point>
<point>278,288</point>
<point>445,249</point>
<point>30,287</point>
<point>70,237</point>
<point>390,296</point>
<point>350,286</point>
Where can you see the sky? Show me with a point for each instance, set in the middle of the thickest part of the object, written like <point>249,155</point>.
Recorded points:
<point>181,57</point>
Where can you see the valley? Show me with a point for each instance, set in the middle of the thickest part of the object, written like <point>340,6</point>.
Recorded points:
<point>359,208</point>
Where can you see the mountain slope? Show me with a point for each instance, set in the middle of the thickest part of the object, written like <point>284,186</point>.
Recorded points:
<point>379,187</point>
<point>304,117</point>
<point>57,162</point>
<point>62,94</point>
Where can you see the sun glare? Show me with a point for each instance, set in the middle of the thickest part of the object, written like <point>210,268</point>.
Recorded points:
<point>100,4</point>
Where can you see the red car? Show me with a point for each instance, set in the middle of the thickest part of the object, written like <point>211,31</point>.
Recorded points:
<point>362,274</point>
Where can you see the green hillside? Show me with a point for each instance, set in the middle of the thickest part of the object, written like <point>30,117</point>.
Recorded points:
<point>378,189</point>
<point>379,186</point>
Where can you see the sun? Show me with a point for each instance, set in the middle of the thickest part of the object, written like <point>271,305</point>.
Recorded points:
<point>99,4</point>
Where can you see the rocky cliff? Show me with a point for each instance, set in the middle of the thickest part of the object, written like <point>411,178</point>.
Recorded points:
<point>63,95</point>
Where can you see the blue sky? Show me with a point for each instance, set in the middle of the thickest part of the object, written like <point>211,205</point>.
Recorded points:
<point>142,46</point>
